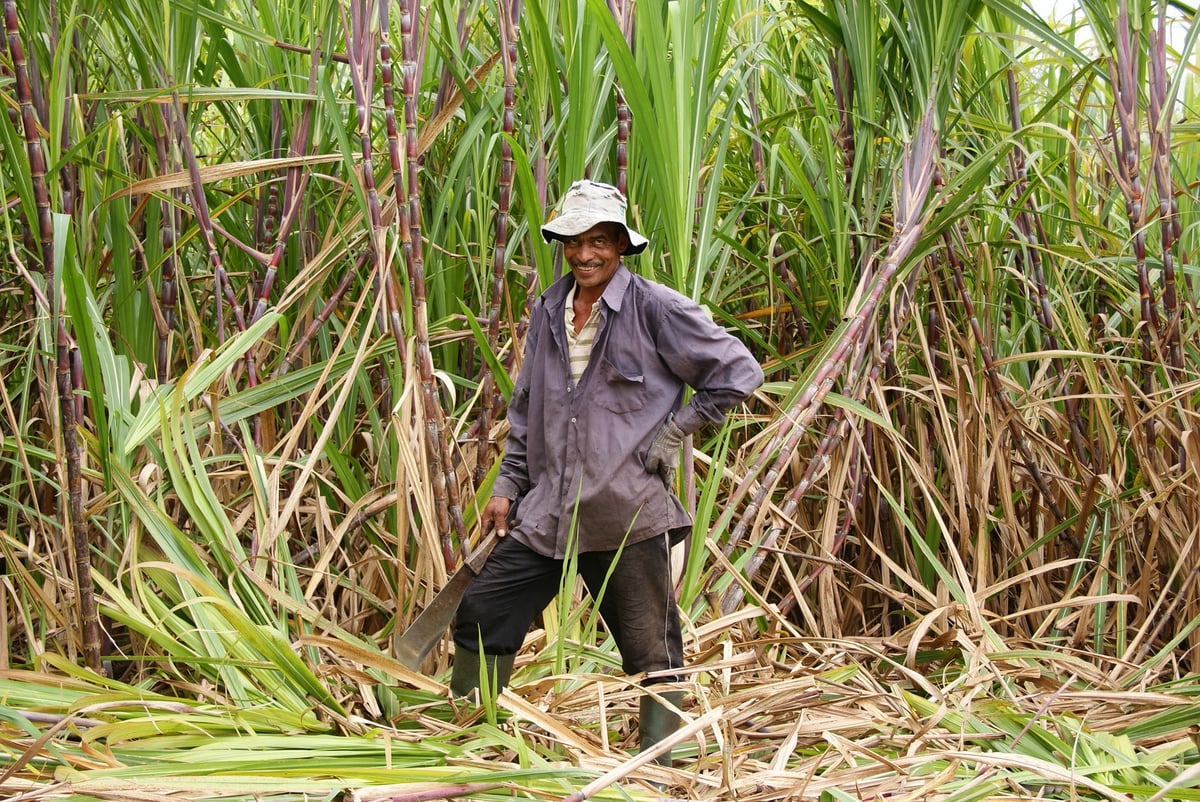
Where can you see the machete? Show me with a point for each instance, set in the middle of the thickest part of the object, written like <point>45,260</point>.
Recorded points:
<point>420,638</point>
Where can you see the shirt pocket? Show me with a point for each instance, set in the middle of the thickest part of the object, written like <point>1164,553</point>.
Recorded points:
<point>620,390</point>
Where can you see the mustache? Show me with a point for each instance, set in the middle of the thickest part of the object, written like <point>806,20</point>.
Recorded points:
<point>593,263</point>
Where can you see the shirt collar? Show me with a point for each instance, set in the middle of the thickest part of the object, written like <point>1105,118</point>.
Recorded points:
<point>615,290</point>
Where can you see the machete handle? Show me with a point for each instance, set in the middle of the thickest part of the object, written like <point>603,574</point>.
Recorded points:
<point>475,562</point>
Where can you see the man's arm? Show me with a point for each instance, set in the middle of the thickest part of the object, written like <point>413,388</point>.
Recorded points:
<point>716,365</point>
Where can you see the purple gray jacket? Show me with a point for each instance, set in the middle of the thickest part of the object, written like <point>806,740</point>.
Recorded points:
<point>573,461</point>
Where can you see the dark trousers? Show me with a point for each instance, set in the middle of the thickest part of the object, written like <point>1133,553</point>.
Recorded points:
<point>637,601</point>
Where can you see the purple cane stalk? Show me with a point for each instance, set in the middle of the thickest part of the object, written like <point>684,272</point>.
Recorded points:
<point>1016,428</point>
<point>1170,228</point>
<point>819,463</point>
<point>1032,237</point>
<point>222,289</point>
<point>168,282</point>
<point>509,12</point>
<point>445,487</point>
<point>1127,147</point>
<point>916,177</point>
<point>68,404</point>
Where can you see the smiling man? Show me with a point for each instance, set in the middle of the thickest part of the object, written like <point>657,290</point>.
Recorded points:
<point>597,418</point>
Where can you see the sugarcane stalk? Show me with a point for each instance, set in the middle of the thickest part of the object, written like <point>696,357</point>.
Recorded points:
<point>222,288</point>
<point>33,143</point>
<point>323,315</point>
<point>68,173</point>
<point>168,282</point>
<point>779,259</point>
<point>206,227</point>
<point>541,170</point>
<point>509,13</point>
<point>168,290</point>
<point>916,177</point>
<point>1169,226</point>
<point>80,525</point>
<point>267,211</point>
<point>1127,147</point>
<point>1012,420</point>
<point>445,489</point>
<point>361,58</point>
<point>336,58</point>
<point>292,194</point>
<point>1032,237</point>
<point>758,550</point>
<point>854,497</point>
<point>280,227</point>
<point>858,482</point>
<point>842,83</point>
<point>446,80</point>
<point>843,94</point>
<point>69,406</point>
<point>271,224</point>
<point>360,52</point>
<point>89,617</point>
<point>623,14</point>
<point>75,521</point>
<point>834,431</point>
<point>817,465</point>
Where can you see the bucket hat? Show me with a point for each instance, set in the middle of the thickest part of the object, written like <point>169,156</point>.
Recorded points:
<point>588,203</point>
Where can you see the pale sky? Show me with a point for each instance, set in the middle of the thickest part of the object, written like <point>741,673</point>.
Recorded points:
<point>1061,10</point>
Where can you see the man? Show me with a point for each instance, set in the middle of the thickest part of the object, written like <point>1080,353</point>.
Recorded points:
<point>597,418</point>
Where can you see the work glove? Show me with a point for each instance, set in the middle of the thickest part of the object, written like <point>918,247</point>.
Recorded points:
<point>663,454</point>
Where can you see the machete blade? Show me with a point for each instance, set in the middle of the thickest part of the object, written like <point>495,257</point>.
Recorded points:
<point>418,640</point>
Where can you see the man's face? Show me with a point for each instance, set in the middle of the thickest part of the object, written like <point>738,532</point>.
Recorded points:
<point>594,255</point>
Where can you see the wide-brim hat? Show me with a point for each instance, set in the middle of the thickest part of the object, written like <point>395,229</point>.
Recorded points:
<point>589,203</point>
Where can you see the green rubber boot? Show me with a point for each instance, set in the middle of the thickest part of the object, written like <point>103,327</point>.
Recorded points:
<point>464,678</point>
<point>656,721</point>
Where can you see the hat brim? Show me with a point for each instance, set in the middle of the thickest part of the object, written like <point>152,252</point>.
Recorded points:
<point>570,225</point>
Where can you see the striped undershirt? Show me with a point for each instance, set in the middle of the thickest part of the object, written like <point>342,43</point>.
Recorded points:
<point>579,346</point>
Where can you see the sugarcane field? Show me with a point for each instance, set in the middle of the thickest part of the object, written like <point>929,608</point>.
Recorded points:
<point>715,400</point>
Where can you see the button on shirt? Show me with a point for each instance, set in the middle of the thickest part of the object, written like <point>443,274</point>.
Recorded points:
<point>574,458</point>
